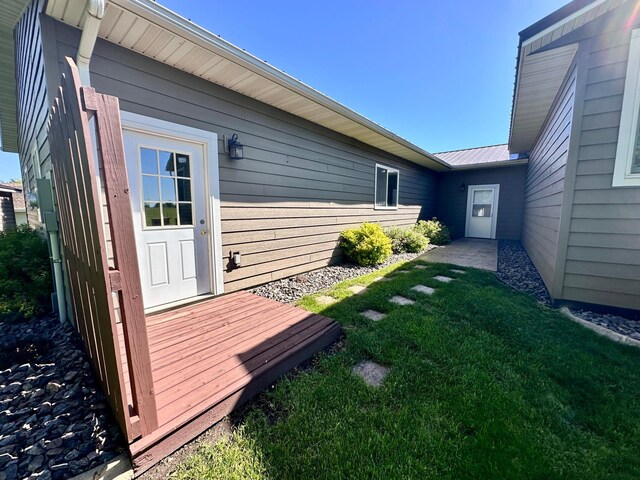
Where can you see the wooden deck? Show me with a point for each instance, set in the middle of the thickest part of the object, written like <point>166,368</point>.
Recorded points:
<point>208,358</point>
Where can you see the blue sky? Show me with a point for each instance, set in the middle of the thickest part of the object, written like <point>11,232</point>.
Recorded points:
<point>438,73</point>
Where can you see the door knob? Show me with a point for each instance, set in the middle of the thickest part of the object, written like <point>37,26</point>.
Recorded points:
<point>203,231</point>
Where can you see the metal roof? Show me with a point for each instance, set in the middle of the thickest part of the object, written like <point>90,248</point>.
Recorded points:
<point>492,155</point>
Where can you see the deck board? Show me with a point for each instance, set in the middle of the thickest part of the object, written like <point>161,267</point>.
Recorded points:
<point>209,357</point>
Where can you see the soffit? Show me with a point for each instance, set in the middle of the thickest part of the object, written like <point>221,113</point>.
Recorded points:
<point>154,31</point>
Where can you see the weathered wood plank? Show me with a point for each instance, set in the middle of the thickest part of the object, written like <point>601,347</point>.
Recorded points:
<point>116,184</point>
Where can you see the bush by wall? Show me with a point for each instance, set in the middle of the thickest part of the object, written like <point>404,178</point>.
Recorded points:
<point>434,230</point>
<point>25,274</point>
<point>366,245</point>
<point>406,240</point>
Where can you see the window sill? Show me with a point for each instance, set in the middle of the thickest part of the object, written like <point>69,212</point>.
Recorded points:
<point>378,207</point>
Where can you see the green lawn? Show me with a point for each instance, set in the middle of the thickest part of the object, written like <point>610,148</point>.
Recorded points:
<point>484,383</point>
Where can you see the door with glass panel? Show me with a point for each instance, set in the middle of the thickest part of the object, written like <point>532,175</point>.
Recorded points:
<point>168,192</point>
<point>482,211</point>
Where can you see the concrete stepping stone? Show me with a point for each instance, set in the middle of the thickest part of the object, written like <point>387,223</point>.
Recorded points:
<point>373,315</point>
<point>372,373</point>
<point>420,267</point>
<point>400,300</point>
<point>442,278</point>
<point>357,289</point>
<point>458,271</point>
<point>325,300</point>
<point>423,289</point>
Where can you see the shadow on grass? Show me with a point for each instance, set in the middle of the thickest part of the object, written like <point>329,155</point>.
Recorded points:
<point>484,382</point>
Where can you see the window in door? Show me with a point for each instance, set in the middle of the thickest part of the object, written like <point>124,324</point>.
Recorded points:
<point>482,203</point>
<point>166,188</point>
<point>386,187</point>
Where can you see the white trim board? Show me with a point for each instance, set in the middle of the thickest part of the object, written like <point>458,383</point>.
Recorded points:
<point>209,142</point>
<point>622,176</point>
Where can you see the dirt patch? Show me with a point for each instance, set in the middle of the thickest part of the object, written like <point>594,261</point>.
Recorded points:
<point>165,468</point>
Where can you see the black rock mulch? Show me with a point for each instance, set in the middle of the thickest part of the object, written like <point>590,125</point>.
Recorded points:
<point>54,420</point>
<point>516,269</point>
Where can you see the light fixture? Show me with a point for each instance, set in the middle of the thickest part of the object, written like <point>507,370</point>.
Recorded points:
<point>463,187</point>
<point>235,148</point>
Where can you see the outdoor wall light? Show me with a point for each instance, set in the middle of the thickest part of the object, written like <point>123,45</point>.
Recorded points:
<point>235,148</point>
<point>463,187</point>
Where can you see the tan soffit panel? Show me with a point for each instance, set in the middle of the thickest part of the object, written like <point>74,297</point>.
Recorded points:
<point>152,30</point>
<point>540,79</point>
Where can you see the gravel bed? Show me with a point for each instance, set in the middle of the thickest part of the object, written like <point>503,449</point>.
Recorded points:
<point>54,420</point>
<point>516,269</point>
<point>624,326</point>
<point>294,288</point>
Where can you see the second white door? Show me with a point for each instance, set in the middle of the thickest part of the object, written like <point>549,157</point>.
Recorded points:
<point>482,211</point>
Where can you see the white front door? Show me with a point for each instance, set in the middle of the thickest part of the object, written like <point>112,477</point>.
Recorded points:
<point>171,220</point>
<point>482,211</point>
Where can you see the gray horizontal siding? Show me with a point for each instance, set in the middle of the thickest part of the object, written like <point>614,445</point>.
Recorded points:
<point>603,251</point>
<point>545,183</point>
<point>299,184</point>
<point>31,100</point>
<point>452,203</point>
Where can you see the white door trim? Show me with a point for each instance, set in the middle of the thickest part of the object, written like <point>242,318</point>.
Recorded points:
<point>496,198</point>
<point>209,141</point>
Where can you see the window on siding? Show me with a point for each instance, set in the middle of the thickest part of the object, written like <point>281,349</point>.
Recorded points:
<point>387,181</point>
<point>627,164</point>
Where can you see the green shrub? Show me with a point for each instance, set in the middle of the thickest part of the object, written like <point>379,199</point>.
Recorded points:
<point>406,240</point>
<point>366,245</point>
<point>25,274</point>
<point>434,230</point>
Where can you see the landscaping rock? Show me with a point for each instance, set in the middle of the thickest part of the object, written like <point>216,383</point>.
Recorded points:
<point>372,373</point>
<point>423,289</point>
<point>294,288</point>
<point>373,315</point>
<point>357,289</point>
<point>400,300</point>
<point>516,269</point>
<point>442,278</point>
<point>57,412</point>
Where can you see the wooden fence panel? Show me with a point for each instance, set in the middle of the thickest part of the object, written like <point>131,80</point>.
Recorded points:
<point>82,235</point>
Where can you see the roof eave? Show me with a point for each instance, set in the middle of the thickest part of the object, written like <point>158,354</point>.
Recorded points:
<point>173,21</point>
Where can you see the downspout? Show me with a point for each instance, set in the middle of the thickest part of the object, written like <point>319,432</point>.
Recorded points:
<point>91,18</point>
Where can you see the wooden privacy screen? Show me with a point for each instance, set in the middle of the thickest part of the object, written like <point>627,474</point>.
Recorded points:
<point>91,282</point>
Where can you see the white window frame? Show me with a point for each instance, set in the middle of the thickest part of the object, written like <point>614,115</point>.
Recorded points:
<point>375,187</point>
<point>622,176</point>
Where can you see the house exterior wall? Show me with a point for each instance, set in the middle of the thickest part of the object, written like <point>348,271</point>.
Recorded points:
<point>32,103</point>
<point>299,184</point>
<point>545,183</point>
<point>602,263</point>
<point>452,203</point>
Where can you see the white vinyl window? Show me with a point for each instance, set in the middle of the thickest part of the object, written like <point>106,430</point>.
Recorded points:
<point>386,187</point>
<point>627,166</point>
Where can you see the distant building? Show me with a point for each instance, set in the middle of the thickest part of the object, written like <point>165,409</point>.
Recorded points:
<point>13,210</point>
